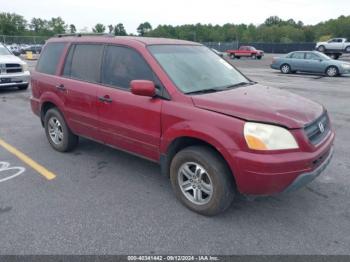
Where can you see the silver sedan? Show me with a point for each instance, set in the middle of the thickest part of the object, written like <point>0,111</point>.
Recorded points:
<point>310,61</point>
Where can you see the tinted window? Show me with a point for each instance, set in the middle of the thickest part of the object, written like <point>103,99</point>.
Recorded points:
<point>83,62</point>
<point>298,55</point>
<point>312,56</point>
<point>49,58</point>
<point>122,65</point>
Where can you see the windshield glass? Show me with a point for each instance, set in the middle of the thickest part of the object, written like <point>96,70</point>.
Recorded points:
<point>4,51</point>
<point>196,68</point>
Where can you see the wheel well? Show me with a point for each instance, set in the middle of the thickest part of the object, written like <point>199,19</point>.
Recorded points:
<point>44,108</point>
<point>180,143</point>
<point>285,64</point>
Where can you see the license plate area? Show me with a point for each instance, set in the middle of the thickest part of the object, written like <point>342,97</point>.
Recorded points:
<point>5,80</point>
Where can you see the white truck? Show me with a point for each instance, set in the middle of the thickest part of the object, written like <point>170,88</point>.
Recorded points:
<point>334,47</point>
<point>13,71</point>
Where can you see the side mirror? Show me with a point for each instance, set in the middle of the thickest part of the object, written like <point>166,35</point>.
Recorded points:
<point>143,88</point>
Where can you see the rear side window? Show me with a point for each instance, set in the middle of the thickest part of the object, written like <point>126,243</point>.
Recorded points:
<point>122,65</point>
<point>298,55</point>
<point>49,58</point>
<point>83,62</point>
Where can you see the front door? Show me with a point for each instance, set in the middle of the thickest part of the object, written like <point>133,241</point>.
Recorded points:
<point>128,121</point>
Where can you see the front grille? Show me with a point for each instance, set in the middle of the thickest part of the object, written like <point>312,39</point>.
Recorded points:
<point>10,68</point>
<point>317,130</point>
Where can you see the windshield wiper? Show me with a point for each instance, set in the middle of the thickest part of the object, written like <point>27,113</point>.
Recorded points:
<point>238,84</point>
<point>204,91</point>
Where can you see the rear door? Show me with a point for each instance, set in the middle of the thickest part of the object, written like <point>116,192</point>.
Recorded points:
<point>79,84</point>
<point>128,121</point>
<point>297,61</point>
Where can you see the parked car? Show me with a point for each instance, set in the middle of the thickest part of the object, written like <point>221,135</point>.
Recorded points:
<point>14,49</point>
<point>310,61</point>
<point>218,52</point>
<point>334,47</point>
<point>245,51</point>
<point>13,71</point>
<point>174,102</point>
<point>36,49</point>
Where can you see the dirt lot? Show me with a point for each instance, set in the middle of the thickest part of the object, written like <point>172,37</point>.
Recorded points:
<point>103,201</point>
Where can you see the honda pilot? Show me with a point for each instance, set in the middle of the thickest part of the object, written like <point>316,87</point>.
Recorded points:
<point>213,131</point>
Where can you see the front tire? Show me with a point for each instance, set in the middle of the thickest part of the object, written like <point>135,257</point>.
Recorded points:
<point>202,181</point>
<point>321,49</point>
<point>285,69</point>
<point>58,133</point>
<point>332,71</point>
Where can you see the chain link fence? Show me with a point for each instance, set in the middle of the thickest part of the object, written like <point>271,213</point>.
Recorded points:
<point>278,48</point>
<point>29,40</point>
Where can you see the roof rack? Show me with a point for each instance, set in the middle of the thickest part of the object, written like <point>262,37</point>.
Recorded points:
<point>84,34</point>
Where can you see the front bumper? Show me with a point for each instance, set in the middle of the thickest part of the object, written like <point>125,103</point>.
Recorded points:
<point>16,79</point>
<point>344,70</point>
<point>273,173</point>
<point>306,178</point>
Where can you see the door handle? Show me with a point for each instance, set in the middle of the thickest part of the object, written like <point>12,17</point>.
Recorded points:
<point>61,87</point>
<point>105,99</point>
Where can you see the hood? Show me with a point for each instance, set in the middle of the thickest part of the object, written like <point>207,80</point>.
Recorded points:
<point>10,59</point>
<point>261,104</point>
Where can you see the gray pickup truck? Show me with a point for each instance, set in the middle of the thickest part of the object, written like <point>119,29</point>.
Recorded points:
<point>334,47</point>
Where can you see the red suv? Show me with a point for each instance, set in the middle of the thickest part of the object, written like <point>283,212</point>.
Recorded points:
<point>212,130</point>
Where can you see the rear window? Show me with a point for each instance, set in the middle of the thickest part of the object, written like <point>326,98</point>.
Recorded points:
<point>83,62</point>
<point>49,58</point>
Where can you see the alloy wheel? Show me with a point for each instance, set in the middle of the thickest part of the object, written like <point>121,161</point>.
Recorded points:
<point>195,183</point>
<point>55,130</point>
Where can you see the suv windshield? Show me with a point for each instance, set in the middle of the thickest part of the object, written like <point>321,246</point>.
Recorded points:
<point>4,51</point>
<point>195,69</point>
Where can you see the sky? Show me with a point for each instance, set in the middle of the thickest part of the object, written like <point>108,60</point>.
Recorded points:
<point>86,13</point>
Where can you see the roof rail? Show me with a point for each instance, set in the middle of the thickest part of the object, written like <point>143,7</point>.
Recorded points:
<point>84,34</point>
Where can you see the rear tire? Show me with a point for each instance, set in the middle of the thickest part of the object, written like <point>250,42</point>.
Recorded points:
<point>58,133</point>
<point>259,57</point>
<point>332,71</point>
<point>285,69</point>
<point>232,56</point>
<point>202,181</point>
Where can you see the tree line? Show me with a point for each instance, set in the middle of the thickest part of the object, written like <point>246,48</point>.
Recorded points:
<point>274,29</point>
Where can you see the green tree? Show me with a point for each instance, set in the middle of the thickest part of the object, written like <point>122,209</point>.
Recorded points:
<point>144,28</point>
<point>12,24</point>
<point>110,29</point>
<point>57,25</point>
<point>72,29</point>
<point>99,28</point>
<point>119,29</point>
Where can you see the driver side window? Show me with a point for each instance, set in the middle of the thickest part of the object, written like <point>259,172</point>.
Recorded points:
<point>121,65</point>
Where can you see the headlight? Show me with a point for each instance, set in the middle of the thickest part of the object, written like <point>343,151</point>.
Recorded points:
<point>268,137</point>
<point>25,67</point>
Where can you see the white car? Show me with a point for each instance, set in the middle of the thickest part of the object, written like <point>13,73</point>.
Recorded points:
<point>13,71</point>
<point>340,45</point>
